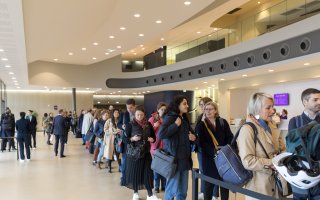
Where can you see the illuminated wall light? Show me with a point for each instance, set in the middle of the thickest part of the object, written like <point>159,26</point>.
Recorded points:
<point>122,28</point>
<point>111,37</point>
<point>137,15</point>
<point>158,21</point>
<point>141,34</point>
<point>95,43</point>
<point>187,3</point>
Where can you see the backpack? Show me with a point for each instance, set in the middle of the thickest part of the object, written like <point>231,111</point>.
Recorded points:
<point>309,133</point>
<point>228,162</point>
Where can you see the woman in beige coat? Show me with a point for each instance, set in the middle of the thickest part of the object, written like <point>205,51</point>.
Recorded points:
<point>260,112</point>
<point>111,130</point>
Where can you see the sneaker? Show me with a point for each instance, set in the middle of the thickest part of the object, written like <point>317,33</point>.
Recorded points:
<point>200,196</point>
<point>214,198</point>
<point>21,160</point>
<point>135,196</point>
<point>28,160</point>
<point>153,197</point>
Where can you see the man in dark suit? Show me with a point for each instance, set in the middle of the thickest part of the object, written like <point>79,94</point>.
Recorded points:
<point>7,124</point>
<point>23,136</point>
<point>124,119</point>
<point>33,128</point>
<point>59,128</point>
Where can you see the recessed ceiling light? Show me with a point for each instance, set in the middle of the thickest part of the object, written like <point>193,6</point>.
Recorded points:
<point>259,2</point>
<point>111,50</point>
<point>141,45</point>
<point>205,82</point>
<point>119,91</point>
<point>137,15</point>
<point>13,78</point>
<point>45,87</point>
<point>162,39</point>
<point>106,53</point>
<point>222,79</point>
<point>1,50</point>
<point>306,64</point>
<point>271,70</point>
<point>142,48</point>
<point>117,102</point>
<point>148,91</point>
<point>213,85</point>
<point>244,75</point>
<point>196,88</point>
<point>119,47</point>
<point>15,81</point>
<point>64,88</point>
<point>99,102</point>
<point>18,87</point>
<point>198,32</point>
<point>70,53</point>
<point>83,49</point>
<point>134,93</point>
<point>111,93</point>
<point>95,43</point>
<point>11,73</point>
<point>143,92</point>
<point>134,53</point>
<point>56,59</point>
<point>4,59</point>
<point>187,3</point>
<point>94,58</point>
<point>215,29</point>
<point>141,34</point>
<point>122,28</point>
<point>7,66</point>
<point>111,37</point>
<point>158,21</point>
<point>87,88</point>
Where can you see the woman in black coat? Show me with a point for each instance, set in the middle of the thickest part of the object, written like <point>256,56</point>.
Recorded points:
<point>138,135</point>
<point>213,131</point>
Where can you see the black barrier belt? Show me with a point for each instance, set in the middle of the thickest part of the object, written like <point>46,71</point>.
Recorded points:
<point>232,187</point>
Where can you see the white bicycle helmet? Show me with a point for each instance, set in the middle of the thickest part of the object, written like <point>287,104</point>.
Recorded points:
<point>296,170</point>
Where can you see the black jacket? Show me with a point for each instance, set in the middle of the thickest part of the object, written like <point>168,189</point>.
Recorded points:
<point>7,122</point>
<point>33,123</point>
<point>99,128</point>
<point>23,128</point>
<point>223,135</point>
<point>133,128</point>
<point>176,140</point>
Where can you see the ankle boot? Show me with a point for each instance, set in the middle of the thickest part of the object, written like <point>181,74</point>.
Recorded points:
<point>109,164</point>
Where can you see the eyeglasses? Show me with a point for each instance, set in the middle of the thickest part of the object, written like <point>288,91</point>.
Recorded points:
<point>209,109</point>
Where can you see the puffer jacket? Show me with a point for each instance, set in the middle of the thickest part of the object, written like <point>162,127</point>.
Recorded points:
<point>176,140</point>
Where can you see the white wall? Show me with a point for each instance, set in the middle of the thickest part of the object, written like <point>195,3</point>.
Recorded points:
<point>43,102</point>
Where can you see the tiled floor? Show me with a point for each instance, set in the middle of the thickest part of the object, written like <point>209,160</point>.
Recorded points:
<point>47,177</point>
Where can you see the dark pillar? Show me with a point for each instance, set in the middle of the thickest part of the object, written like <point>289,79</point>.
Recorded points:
<point>74,102</point>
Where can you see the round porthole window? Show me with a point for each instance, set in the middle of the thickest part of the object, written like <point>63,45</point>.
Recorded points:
<point>163,79</point>
<point>190,73</point>
<point>171,77</point>
<point>305,45</point>
<point>236,63</point>
<point>211,69</point>
<point>250,59</point>
<point>155,80</point>
<point>223,66</point>
<point>180,75</point>
<point>199,71</point>
<point>266,55</point>
<point>284,50</point>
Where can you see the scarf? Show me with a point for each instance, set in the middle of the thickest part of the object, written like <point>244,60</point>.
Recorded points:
<point>264,125</point>
<point>142,123</point>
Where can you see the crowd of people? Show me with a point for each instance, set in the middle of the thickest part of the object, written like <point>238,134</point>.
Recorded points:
<point>130,138</point>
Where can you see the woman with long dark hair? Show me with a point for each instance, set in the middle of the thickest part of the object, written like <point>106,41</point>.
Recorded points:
<point>138,135</point>
<point>178,137</point>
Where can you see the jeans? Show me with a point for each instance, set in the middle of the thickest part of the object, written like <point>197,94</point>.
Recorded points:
<point>157,179</point>
<point>24,143</point>
<point>101,150</point>
<point>61,139</point>
<point>123,166</point>
<point>177,186</point>
<point>83,140</point>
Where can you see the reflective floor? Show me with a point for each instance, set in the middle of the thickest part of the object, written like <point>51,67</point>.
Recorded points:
<point>47,177</point>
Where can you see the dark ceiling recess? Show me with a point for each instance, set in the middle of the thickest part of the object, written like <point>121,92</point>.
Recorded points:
<point>234,10</point>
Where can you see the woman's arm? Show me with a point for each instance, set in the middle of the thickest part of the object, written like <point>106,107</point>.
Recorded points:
<point>168,128</point>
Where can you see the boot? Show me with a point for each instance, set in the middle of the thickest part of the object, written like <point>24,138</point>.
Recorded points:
<point>99,165</point>
<point>109,164</point>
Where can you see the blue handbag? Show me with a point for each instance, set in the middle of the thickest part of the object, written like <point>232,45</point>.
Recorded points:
<point>228,162</point>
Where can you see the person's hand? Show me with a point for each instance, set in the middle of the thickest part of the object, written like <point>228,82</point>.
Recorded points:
<point>135,138</point>
<point>192,137</point>
<point>156,125</point>
<point>150,139</point>
<point>178,121</point>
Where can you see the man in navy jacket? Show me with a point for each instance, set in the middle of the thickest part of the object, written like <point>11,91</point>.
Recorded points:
<point>59,128</point>
<point>124,119</point>
<point>33,128</point>
<point>23,135</point>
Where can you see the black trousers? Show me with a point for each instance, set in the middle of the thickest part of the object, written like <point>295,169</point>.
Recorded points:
<point>23,142</point>
<point>34,137</point>
<point>7,133</point>
<point>62,140</point>
<point>208,192</point>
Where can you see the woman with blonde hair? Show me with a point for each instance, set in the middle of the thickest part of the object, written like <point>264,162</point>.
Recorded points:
<point>260,112</point>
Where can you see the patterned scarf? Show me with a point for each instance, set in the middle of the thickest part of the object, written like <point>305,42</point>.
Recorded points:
<point>142,123</point>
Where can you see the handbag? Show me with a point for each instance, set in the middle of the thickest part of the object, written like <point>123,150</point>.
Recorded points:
<point>284,188</point>
<point>163,163</point>
<point>228,162</point>
<point>118,143</point>
<point>89,135</point>
<point>51,138</point>
<point>136,150</point>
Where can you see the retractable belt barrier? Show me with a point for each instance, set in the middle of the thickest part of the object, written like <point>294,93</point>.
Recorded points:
<point>16,145</point>
<point>233,188</point>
